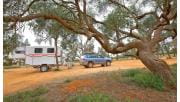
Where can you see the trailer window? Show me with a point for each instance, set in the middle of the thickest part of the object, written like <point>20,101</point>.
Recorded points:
<point>38,50</point>
<point>50,50</point>
<point>19,52</point>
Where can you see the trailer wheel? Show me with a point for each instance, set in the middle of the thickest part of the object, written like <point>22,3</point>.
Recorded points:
<point>44,68</point>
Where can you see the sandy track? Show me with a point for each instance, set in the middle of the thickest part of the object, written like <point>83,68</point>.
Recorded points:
<point>22,78</point>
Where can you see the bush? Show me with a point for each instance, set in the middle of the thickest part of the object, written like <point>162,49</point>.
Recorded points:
<point>144,78</point>
<point>131,72</point>
<point>140,77</point>
<point>92,97</point>
<point>128,99</point>
<point>27,96</point>
<point>149,80</point>
<point>7,62</point>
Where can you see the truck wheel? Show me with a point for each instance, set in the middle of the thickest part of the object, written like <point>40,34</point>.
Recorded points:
<point>108,63</point>
<point>90,65</point>
<point>103,65</point>
<point>44,68</point>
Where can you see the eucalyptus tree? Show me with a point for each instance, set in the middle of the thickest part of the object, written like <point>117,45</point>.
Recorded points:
<point>70,45</point>
<point>46,31</point>
<point>85,46</point>
<point>174,44</point>
<point>167,48</point>
<point>11,40</point>
<point>146,22</point>
<point>102,51</point>
<point>89,46</point>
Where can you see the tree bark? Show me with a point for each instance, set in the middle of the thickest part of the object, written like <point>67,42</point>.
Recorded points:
<point>156,65</point>
<point>56,52</point>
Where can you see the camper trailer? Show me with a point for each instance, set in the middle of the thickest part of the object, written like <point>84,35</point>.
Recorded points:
<point>42,57</point>
<point>18,56</point>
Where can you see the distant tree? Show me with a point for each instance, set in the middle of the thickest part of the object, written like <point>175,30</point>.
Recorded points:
<point>102,51</point>
<point>174,46</point>
<point>70,45</point>
<point>11,40</point>
<point>89,46</point>
<point>25,43</point>
<point>167,47</point>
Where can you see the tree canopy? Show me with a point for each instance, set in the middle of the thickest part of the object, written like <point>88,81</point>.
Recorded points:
<point>127,18</point>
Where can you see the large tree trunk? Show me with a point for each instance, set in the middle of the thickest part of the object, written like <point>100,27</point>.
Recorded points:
<point>156,65</point>
<point>56,51</point>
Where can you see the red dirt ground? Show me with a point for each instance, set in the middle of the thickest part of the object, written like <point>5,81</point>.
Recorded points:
<point>22,78</point>
<point>77,84</point>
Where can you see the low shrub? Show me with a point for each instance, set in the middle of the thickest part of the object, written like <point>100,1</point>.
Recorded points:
<point>27,96</point>
<point>92,97</point>
<point>131,72</point>
<point>128,99</point>
<point>149,80</point>
<point>144,78</point>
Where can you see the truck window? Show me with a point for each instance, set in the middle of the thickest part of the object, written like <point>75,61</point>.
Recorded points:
<point>92,56</point>
<point>100,56</point>
<point>38,50</point>
<point>50,50</point>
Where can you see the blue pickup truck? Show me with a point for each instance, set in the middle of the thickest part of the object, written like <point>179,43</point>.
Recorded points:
<point>88,60</point>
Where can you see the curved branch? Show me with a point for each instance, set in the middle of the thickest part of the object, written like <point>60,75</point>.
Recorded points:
<point>131,34</point>
<point>36,16</point>
<point>23,12</point>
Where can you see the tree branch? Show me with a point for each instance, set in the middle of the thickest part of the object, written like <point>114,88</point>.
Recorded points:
<point>131,34</point>
<point>20,15</point>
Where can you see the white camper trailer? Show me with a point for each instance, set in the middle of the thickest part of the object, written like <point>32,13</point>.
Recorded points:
<point>18,55</point>
<point>41,56</point>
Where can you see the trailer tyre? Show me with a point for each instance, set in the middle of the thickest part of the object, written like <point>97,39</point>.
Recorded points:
<point>44,68</point>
